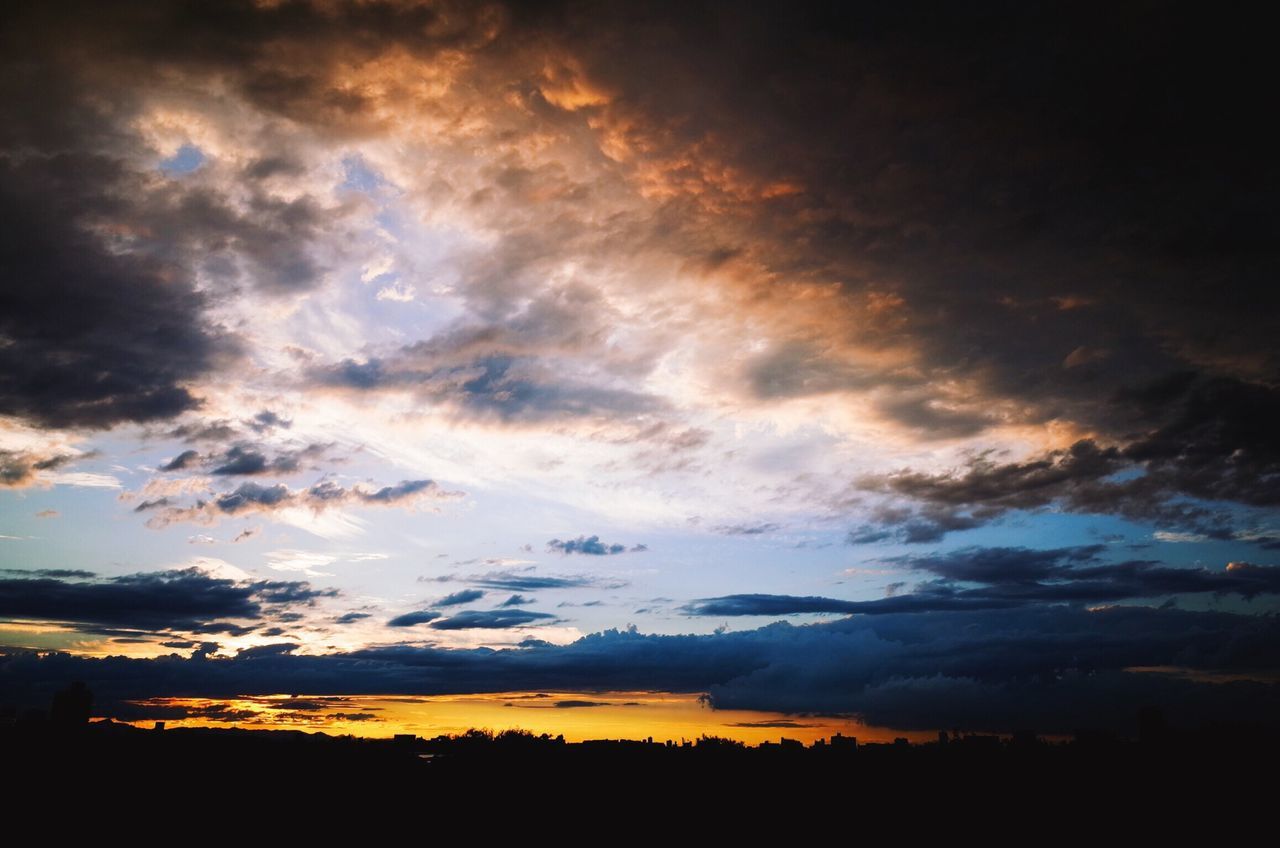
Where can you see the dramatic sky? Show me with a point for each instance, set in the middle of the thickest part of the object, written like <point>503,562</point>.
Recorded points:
<point>917,363</point>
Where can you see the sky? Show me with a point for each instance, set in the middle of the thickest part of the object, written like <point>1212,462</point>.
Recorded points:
<point>910,363</point>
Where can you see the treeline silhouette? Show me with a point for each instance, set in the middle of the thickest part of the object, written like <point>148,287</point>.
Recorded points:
<point>50,746</point>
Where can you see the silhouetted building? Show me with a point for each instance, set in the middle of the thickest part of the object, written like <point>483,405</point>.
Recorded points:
<point>844,743</point>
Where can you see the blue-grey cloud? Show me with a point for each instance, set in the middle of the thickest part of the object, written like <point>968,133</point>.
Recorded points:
<point>591,546</point>
<point>1053,669</point>
<point>250,497</point>
<point>520,581</point>
<point>499,619</point>
<point>154,602</point>
<point>182,461</point>
<point>465,596</point>
<point>409,619</point>
<point>999,578</point>
<point>747,529</point>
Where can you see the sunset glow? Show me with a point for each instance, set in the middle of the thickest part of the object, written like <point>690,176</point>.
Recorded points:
<point>773,369</point>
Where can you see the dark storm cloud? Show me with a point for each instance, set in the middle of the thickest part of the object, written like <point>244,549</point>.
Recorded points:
<point>136,334</point>
<point>152,602</point>
<point>1217,447</point>
<point>499,619</point>
<point>87,227</point>
<point>1054,669</point>
<point>1063,227</point>
<point>1001,578</point>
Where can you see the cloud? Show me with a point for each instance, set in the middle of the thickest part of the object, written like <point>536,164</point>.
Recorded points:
<point>591,546</point>
<point>747,529</point>
<point>409,619</point>
<point>56,573</point>
<point>521,581</point>
<point>500,388</point>
<point>266,420</point>
<point>254,498</point>
<point>465,596</point>
<point>150,602</point>
<point>499,619</point>
<point>21,468</point>
<point>776,723</point>
<point>516,601</point>
<point>244,459</point>
<point>182,461</point>
<point>1002,578</point>
<point>1054,669</point>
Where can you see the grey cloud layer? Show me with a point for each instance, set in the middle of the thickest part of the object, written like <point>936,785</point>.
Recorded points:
<point>1054,669</point>
<point>1002,578</point>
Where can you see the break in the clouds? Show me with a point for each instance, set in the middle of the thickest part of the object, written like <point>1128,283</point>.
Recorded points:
<point>915,315</point>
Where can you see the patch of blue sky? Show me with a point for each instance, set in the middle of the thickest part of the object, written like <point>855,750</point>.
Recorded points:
<point>187,159</point>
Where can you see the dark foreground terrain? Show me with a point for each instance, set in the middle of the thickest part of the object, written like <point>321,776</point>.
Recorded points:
<point>1217,761</point>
